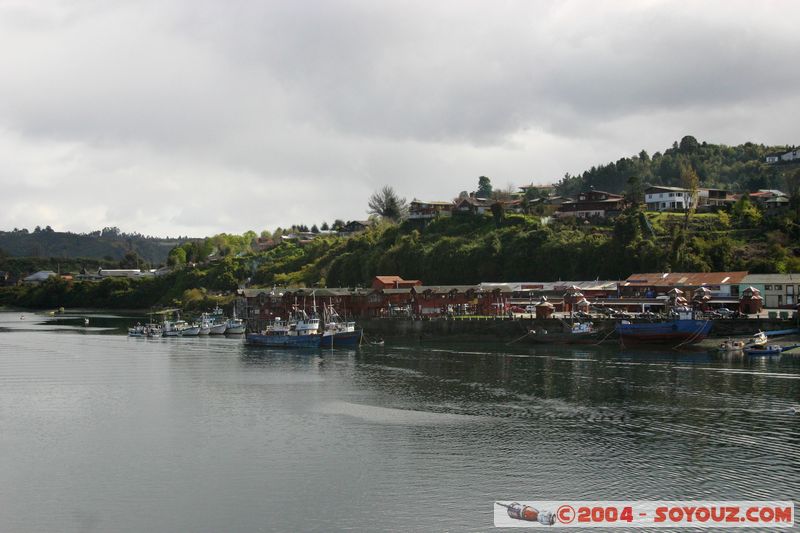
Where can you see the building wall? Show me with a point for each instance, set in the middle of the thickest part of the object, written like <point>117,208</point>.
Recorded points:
<point>666,200</point>
<point>777,293</point>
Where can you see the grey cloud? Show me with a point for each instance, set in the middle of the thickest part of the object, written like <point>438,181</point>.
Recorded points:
<point>233,116</point>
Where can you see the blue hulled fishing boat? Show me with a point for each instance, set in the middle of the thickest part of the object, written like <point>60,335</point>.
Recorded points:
<point>682,329</point>
<point>299,332</point>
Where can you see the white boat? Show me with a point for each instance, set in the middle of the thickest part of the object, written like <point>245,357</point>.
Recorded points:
<point>190,330</point>
<point>338,332</point>
<point>137,331</point>
<point>171,329</point>
<point>235,326</point>
<point>757,341</point>
<point>218,328</point>
<point>205,324</point>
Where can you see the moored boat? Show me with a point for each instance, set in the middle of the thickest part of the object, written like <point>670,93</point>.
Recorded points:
<point>339,333</point>
<point>218,328</point>
<point>171,329</point>
<point>731,346</point>
<point>763,351</point>
<point>300,332</point>
<point>137,331</point>
<point>190,330</point>
<point>284,341</point>
<point>205,324</point>
<point>235,326</point>
<point>685,331</point>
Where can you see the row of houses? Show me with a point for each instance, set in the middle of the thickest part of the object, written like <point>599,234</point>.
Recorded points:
<point>602,204</point>
<point>784,157</point>
<point>393,296</point>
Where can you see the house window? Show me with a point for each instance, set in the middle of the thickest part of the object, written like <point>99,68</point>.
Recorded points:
<point>778,287</point>
<point>767,287</point>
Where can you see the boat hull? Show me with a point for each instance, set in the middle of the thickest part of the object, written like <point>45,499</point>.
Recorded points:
<point>763,352</point>
<point>674,331</point>
<point>342,338</point>
<point>284,341</point>
<point>235,330</point>
<point>218,329</point>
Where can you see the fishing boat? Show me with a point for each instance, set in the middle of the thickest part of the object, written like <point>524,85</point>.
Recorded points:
<point>218,328</point>
<point>301,331</point>
<point>235,326</point>
<point>576,333</point>
<point>339,333</point>
<point>683,328</point>
<point>205,324</point>
<point>190,330</point>
<point>217,321</point>
<point>137,331</point>
<point>171,329</point>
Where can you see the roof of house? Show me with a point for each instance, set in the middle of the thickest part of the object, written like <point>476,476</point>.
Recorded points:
<point>771,278</point>
<point>665,188</point>
<point>422,202</point>
<point>40,276</point>
<point>445,289</point>
<point>681,279</point>
<point>482,202</point>
<point>402,290</point>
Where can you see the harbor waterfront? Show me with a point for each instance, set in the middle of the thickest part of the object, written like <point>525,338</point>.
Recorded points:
<point>517,329</point>
<point>104,432</point>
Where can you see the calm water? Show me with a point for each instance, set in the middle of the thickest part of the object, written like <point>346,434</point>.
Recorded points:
<point>101,432</point>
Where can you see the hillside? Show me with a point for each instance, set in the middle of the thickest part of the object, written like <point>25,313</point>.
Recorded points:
<point>470,248</point>
<point>734,168</point>
<point>109,245</point>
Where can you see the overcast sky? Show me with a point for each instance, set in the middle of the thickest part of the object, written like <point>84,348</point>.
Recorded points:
<point>196,117</point>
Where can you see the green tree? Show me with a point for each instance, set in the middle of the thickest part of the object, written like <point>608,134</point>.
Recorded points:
<point>744,214</point>
<point>484,187</point>
<point>634,194</point>
<point>387,204</point>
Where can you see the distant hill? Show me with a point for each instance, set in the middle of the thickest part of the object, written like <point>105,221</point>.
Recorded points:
<point>734,168</point>
<point>109,244</point>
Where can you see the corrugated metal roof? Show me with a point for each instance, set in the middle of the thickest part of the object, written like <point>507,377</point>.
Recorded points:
<point>771,278</point>
<point>688,279</point>
<point>406,290</point>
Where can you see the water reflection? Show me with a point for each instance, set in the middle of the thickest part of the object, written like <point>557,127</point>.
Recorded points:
<point>209,434</point>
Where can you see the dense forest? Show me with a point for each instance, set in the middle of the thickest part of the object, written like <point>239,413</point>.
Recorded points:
<point>468,249</point>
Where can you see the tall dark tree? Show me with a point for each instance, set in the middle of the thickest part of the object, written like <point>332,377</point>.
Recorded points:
<point>484,187</point>
<point>634,194</point>
<point>387,204</point>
